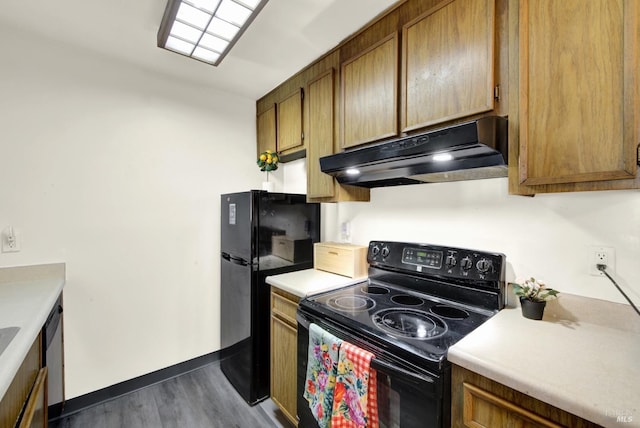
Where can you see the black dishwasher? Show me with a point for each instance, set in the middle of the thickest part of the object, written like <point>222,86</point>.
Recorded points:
<point>53,358</point>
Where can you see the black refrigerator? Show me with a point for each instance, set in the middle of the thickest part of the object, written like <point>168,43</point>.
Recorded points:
<point>262,234</point>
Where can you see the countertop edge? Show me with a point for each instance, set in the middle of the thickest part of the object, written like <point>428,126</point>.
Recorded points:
<point>13,356</point>
<point>569,323</point>
<point>309,282</point>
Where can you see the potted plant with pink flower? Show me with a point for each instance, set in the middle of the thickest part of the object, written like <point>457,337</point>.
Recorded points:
<point>534,295</point>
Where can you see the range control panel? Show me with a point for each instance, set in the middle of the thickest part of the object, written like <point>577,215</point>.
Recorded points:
<point>436,260</point>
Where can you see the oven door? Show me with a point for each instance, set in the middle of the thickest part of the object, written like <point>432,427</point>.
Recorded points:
<point>407,397</point>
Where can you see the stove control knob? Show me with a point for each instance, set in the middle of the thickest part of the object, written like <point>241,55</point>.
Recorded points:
<point>385,251</point>
<point>484,265</point>
<point>466,263</point>
<point>375,250</point>
<point>451,260</point>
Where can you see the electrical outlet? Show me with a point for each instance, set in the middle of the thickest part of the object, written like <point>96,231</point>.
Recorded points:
<point>599,255</point>
<point>10,241</point>
<point>345,231</point>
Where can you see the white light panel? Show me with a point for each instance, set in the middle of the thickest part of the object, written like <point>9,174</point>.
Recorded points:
<point>206,29</point>
<point>179,45</point>
<point>195,17</point>
<point>205,55</point>
<point>185,32</point>
<point>222,29</point>
<point>233,12</point>
<point>208,5</point>
<point>214,43</point>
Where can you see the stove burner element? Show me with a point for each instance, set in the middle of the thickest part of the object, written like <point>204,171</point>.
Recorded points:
<point>352,303</point>
<point>449,312</point>
<point>373,289</point>
<point>407,300</point>
<point>409,323</point>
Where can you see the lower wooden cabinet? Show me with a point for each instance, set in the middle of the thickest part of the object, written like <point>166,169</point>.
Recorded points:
<point>26,392</point>
<point>35,412</point>
<point>478,402</point>
<point>284,336</point>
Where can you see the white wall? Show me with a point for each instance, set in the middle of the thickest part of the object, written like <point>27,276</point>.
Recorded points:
<point>118,172</point>
<point>548,236</point>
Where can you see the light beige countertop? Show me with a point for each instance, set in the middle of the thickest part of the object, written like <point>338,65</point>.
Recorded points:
<point>582,357</point>
<point>307,282</point>
<point>27,295</point>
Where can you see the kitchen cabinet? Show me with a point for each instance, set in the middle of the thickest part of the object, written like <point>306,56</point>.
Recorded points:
<point>452,66</point>
<point>319,83</point>
<point>284,336</point>
<point>370,93</point>
<point>289,120</point>
<point>320,93</point>
<point>448,63</point>
<point>266,130</point>
<point>574,119</point>
<point>35,411</point>
<point>321,131</point>
<point>26,391</point>
<point>381,84</point>
<point>477,402</point>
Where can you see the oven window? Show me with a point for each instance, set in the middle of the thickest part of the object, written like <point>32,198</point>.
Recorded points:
<point>404,404</point>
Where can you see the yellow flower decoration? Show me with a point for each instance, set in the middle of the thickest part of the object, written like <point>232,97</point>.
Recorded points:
<point>268,161</point>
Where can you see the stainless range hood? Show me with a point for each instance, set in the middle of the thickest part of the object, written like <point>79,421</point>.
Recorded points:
<point>467,151</point>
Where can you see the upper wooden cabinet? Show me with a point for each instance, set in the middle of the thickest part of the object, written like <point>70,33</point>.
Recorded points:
<point>320,134</point>
<point>266,130</point>
<point>449,67</point>
<point>370,94</point>
<point>289,121</point>
<point>448,63</point>
<point>575,122</point>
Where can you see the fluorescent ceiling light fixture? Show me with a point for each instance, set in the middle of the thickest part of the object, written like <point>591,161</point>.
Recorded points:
<point>442,157</point>
<point>206,29</point>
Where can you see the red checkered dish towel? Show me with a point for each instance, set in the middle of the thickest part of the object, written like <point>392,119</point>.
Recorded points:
<point>355,403</point>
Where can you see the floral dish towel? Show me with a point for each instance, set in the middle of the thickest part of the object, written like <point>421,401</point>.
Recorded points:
<point>355,402</point>
<point>322,362</point>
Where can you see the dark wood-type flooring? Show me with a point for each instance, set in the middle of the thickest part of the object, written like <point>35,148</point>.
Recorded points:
<point>198,399</point>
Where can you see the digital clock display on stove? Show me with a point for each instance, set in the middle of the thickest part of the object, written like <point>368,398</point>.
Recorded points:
<point>420,257</point>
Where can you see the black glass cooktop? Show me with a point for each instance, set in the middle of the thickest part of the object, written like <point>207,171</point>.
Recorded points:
<point>417,323</point>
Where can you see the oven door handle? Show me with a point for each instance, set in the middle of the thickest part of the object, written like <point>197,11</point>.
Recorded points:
<point>381,365</point>
<point>389,369</point>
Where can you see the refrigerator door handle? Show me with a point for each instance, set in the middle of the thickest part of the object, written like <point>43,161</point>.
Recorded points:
<point>239,261</point>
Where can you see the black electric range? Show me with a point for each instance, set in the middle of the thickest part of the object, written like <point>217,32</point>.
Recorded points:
<point>418,300</point>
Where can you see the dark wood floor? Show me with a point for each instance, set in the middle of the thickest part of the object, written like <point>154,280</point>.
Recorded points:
<point>201,398</point>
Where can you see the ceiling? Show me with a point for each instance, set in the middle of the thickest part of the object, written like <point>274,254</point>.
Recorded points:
<point>285,36</point>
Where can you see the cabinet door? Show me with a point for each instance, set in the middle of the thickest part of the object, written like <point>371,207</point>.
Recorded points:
<point>283,390</point>
<point>18,392</point>
<point>579,97</point>
<point>477,401</point>
<point>290,121</point>
<point>484,409</point>
<point>370,94</point>
<point>320,134</point>
<point>266,130</point>
<point>448,63</point>
<point>284,337</point>
<point>35,412</point>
